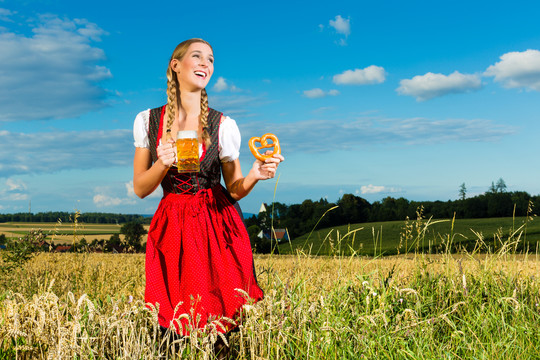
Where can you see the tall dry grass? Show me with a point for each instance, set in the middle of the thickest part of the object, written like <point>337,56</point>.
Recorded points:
<point>90,306</point>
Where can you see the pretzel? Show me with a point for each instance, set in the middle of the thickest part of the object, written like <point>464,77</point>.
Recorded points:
<point>264,145</point>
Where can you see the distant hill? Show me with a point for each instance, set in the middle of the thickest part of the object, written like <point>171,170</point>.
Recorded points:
<point>384,238</point>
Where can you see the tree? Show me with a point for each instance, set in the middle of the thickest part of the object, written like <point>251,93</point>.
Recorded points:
<point>501,186</point>
<point>492,188</point>
<point>114,239</point>
<point>462,191</point>
<point>133,232</point>
<point>352,209</point>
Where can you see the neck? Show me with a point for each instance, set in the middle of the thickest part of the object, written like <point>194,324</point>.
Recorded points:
<point>191,102</point>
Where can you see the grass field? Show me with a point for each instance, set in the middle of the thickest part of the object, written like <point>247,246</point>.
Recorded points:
<point>90,306</point>
<point>470,305</point>
<point>63,233</point>
<point>393,237</point>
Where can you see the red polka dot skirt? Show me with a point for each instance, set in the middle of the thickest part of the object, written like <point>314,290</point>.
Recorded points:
<point>198,255</point>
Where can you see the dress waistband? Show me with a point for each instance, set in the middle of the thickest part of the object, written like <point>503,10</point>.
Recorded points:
<point>215,191</point>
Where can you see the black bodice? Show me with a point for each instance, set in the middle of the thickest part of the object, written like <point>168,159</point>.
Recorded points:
<point>210,166</point>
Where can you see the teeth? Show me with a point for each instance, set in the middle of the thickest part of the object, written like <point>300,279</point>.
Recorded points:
<point>200,73</point>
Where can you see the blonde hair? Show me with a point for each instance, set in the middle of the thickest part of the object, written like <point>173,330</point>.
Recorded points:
<point>173,91</point>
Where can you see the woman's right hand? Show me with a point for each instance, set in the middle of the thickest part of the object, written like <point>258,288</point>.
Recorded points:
<point>167,153</point>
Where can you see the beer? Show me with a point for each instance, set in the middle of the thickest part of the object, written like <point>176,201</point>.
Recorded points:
<point>187,147</point>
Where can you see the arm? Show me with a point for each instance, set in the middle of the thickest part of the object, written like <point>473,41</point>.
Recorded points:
<point>148,176</point>
<point>239,186</point>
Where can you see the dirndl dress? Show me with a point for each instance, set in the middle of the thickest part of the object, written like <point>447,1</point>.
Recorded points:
<point>199,264</point>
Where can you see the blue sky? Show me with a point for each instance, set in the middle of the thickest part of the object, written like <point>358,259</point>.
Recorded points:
<point>389,98</point>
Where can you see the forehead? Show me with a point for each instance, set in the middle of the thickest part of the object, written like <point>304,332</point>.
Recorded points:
<point>199,46</point>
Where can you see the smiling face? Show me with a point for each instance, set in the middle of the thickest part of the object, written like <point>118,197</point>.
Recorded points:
<point>195,67</point>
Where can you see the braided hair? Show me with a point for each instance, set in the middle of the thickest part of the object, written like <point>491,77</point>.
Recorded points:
<point>173,92</point>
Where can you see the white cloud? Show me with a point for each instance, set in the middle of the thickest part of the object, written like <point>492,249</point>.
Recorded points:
<point>15,184</point>
<point>341,25</point>
<point>57,67</point>
<point>333,92</point>
<point>101,200</point>
<point>5,15</point>
<point>106,196</point>
<point>517,70</point>
<point>54,151</point>
<point>377,189</point>
<point>13,190</point>
<point>371,75</point>
<point>89,30</point>
<point>14,197</point>
<point>220,85</point>
<point>346,135</point>
<point>131,192</point>
<point>371,189</point>
<point>129,189</point>
<point>430,85</point>
<point>111,196</point>
<point>319,93</point>
<point>314,93</point>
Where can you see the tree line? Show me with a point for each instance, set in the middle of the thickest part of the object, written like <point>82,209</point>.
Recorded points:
<point>89,218</point>
<point>302,218</point>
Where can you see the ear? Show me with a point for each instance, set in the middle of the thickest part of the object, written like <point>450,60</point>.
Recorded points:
<point>175,65</point>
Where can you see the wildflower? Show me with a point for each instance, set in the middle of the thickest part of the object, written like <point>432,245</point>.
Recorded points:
<point>130,299</point>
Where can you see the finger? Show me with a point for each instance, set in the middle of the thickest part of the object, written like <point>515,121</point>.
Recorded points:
<point>167,149</point>
<point>269,172</point>
<point>269,165</point>
<point>273,161</point>
<point>276,158</point>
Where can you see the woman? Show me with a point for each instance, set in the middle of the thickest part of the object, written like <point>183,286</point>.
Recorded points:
<point>198,253</point>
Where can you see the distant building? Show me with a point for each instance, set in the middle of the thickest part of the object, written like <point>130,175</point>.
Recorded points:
<point>278,234</point>
<point>63,248</point>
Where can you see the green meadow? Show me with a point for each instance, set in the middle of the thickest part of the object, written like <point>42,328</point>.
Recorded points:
<point>420,235</point>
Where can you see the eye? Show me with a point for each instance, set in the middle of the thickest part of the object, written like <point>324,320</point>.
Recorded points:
<point>211,60</point>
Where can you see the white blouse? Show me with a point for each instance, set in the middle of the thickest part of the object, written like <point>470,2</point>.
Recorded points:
<point>229,136</point>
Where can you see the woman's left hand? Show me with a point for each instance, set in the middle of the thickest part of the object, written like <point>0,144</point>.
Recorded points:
<point>267,169</point>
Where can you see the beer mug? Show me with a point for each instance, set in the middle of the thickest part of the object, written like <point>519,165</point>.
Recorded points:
<point>187,149</point>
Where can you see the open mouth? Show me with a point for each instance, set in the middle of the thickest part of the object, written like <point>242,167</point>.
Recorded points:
<point>200,74</point>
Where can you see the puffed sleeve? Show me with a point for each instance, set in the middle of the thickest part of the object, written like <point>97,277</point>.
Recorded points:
<point>140,129</point>
<point>229,140</point>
